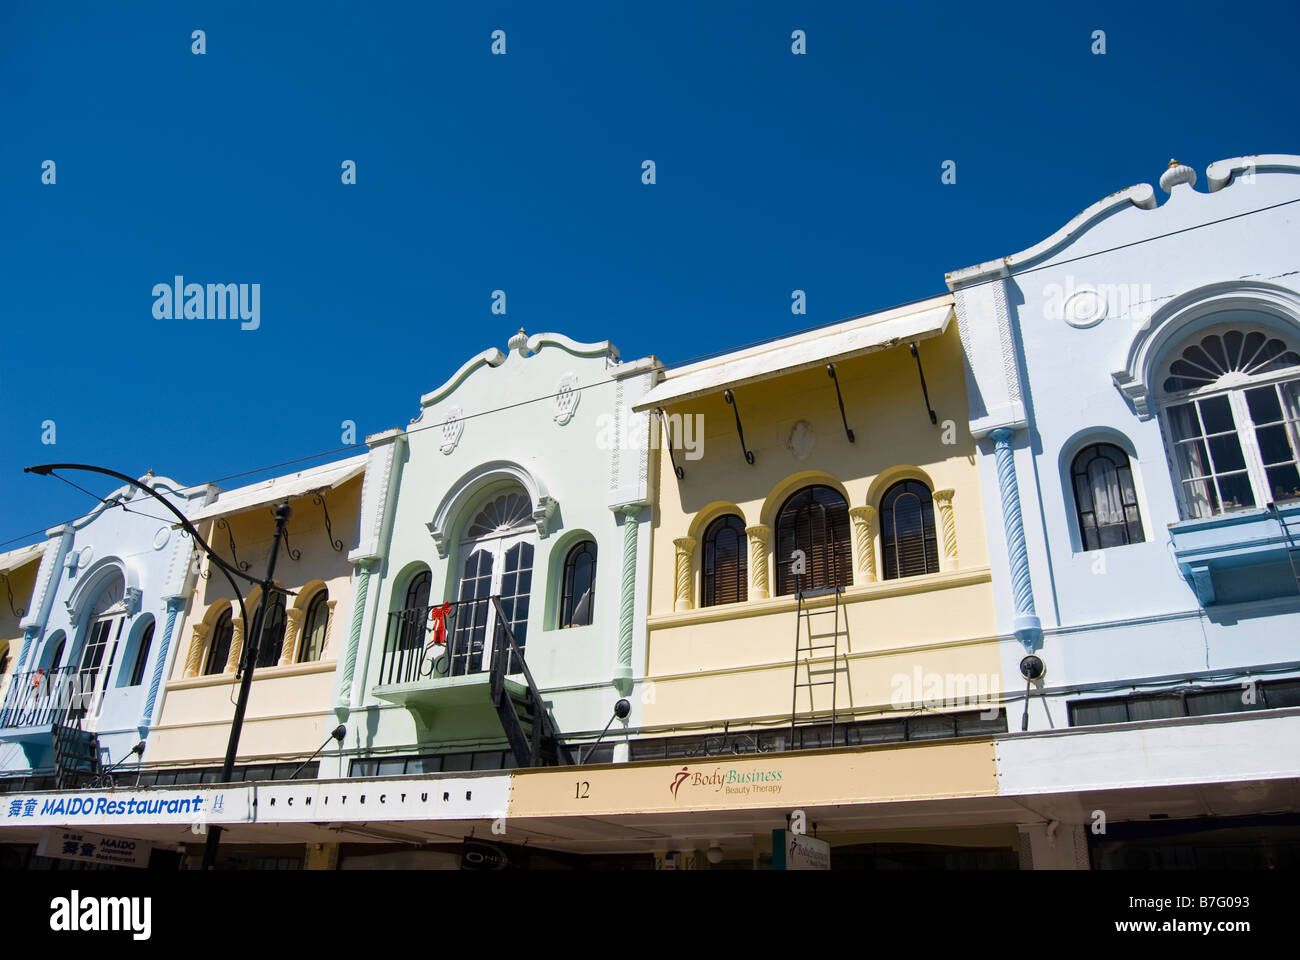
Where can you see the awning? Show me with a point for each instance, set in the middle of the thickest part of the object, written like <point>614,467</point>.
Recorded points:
<point>20,557</point>
<point>852,338</point>
<point>255,495</point>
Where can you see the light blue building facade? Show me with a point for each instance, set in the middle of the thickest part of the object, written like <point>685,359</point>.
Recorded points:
<point>99,632</point>
<point>1135,391</point>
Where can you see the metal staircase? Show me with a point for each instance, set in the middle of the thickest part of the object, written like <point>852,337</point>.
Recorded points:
<point>529,729</point>
<point>76,753</point>
<point>817,659</point>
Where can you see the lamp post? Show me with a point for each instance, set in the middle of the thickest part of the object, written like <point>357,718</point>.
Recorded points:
<point>249,653</point>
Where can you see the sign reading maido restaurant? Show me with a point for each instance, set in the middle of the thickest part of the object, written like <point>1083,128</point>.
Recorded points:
<point>89,847</point>
<point>220,805</point>
<point>795,851</point>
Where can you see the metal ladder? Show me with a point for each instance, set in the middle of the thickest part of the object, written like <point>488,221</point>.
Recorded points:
<point>818,670</point>
<point>1292,548</point>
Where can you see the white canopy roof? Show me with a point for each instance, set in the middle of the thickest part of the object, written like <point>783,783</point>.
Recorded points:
<point>852,338</point>
<point>255,495</point>
<point>14,559</point>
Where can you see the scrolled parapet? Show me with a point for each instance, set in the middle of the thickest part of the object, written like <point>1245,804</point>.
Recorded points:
<point>864,541</point>
<point>684,597</point>
<point>760,535</point>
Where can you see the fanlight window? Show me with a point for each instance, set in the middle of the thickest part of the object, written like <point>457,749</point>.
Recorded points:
<point>1204,363</point>
<point>507,512</point>
<point>1238,446</point>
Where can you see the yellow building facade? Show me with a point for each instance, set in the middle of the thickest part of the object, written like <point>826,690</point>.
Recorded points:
<point>820,575</point>
<point>288,715</point>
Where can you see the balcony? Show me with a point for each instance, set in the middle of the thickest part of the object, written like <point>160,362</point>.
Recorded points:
<point>1241,556</point>
<point>39,699</point>
<point>459,668</point>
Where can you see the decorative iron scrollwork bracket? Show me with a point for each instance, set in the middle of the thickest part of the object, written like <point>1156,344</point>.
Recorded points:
<point>319,497</point>
<point>924,392</point>
<point>740,431</point>
<point>830,368</point>
<point>681,473</point>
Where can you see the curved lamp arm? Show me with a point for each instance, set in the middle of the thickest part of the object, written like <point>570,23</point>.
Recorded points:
<point>46,469</point>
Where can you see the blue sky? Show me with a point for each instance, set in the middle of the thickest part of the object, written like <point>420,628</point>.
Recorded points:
<point>522,172</point>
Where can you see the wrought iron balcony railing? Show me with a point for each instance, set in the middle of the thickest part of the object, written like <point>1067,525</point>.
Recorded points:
<point>443,640</point>
<point>41,697</point>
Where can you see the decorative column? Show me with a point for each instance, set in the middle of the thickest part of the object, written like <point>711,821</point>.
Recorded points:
<point>864,539</point>
<point>759,536</point>
<point>292,624</point>
<point>361,586</point>
<point>685,574</point>
<point>236,643</point>
<point>30,633</point>
<point>623,671</point>
<point>194,658</point>
<point>1026,624</point>
<point>948,528</point>
<point>159,653</point>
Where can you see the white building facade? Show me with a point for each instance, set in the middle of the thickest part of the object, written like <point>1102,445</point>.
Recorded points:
<point>1135,392</point>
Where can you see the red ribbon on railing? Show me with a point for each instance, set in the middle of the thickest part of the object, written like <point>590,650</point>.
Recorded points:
<point>438,617</point>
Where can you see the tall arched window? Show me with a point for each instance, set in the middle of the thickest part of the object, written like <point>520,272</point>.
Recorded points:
<point>142,656</point>
<point>812,541</point>
<point>313,628</point>
<point>1231,405</point>
<point>578,596</point>
<point>219,648</point>
<point>497,552</point>
<point>1104,499</point>
<point>726,572</point>
<point>907,530</point>
<point>272,643</point>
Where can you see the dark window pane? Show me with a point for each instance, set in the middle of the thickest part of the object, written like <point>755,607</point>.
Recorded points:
<point>1089,712</point>
<point>908,541</point>
<point>725,575</point>
<point>1216,412</point>
<point>1282,693</point>
<point>457,761</point>
<point>814,522</point>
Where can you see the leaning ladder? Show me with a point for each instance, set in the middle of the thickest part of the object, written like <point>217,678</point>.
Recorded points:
<point>818,669</point>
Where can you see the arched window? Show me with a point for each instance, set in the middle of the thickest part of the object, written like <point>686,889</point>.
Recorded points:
<point>1104,499</point>
<point>272,643</point>
<point>219,648</point>
<point>907,530</point>
<point>1231,404</point>
<point>812,541</point>
<point>313,628</point>
<point>497,560</point>
<point>726,576</point>
<point>142,656</point>
<point>578,597</point>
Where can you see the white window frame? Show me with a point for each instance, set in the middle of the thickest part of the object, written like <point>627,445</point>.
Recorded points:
<point>1234,387</point>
